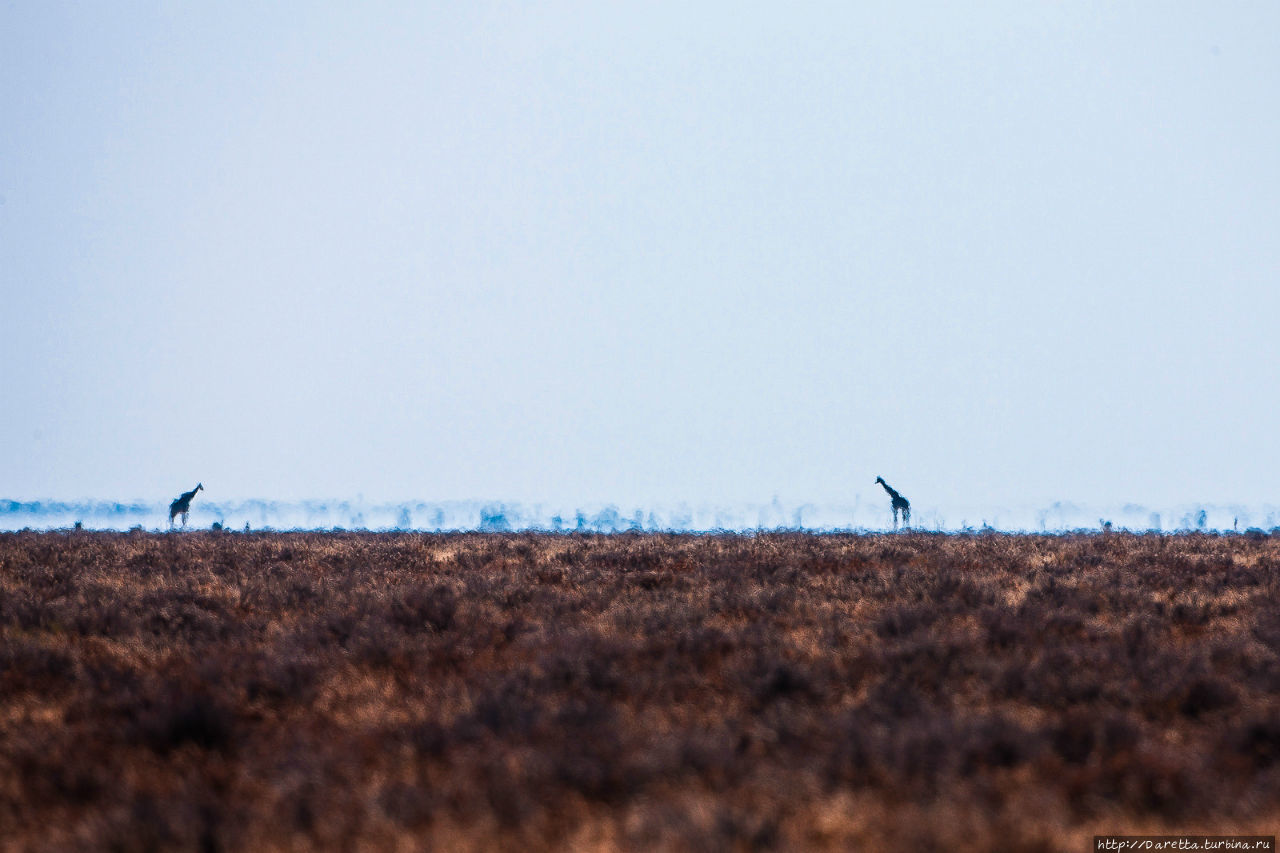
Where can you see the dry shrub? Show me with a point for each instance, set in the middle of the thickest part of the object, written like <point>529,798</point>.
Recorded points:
<point>303,690</point>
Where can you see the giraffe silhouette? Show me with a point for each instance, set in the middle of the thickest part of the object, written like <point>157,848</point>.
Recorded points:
<point>182,505</point>
<point>900,504</point>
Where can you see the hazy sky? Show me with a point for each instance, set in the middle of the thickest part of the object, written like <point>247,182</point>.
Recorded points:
<point>997,252</point>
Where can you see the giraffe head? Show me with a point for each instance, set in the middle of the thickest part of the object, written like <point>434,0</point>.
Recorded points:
<point>198,487</point>
<point>880,480</point>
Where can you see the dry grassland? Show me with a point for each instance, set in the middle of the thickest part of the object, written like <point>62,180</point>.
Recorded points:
<point>522,691</point>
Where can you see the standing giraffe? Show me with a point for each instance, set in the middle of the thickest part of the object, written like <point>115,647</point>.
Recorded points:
<point>182,505</point>
<point>899,504</point>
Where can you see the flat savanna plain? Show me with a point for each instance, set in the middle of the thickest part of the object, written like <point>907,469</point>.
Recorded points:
<point>634,691</point>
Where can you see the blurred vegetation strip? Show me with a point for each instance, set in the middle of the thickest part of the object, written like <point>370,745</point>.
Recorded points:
<point>634,691</point>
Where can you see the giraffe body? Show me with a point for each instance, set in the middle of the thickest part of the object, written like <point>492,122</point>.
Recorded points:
<point>181,505</point>
<point>900,504</point>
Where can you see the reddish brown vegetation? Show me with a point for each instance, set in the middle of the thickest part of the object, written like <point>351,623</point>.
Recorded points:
<point>634,691</point>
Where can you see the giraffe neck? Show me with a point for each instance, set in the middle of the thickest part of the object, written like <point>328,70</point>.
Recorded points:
<point>893,494</point>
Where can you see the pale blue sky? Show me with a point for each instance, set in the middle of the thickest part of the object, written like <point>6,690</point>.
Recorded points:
<point>641,252</point>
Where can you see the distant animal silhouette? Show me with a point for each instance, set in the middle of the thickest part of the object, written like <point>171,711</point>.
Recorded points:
<point>181,505</point>
<point>900,504</point>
